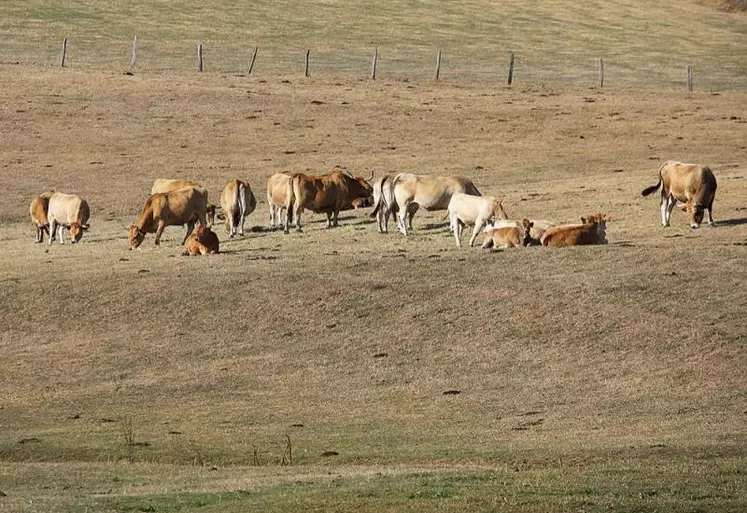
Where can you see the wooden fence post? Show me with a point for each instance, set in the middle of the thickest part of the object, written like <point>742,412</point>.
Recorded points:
<point>64,53</point>
<point>373,64</point>
<point>306,68</point>
<point>689,78</point>
<point>511,69</point>
<point>601,72</point>
<point>200,66</point>
<point>133,56</point>
<point>438,65</point>
<point>251,64</point>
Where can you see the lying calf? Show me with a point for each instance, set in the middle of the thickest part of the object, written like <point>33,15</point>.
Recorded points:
<point>202,242</point>
<point>508,236</point>
<point>592,230</point>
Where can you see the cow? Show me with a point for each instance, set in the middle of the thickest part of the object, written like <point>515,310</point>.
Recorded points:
<point>67,211</point>
<point>174,184</point>
<point>692,184</point>
<point>537,228</point>
<point>384,204</point>
<point>412,192</point>
<point>277,190</point>
<point>237,201</point>
<point>508,236</point>
<point>202,242</point>
<point>328,193</point>
<point>592,230</point>
<point>175,208</point>
<point>464,209</point>
<point>38,211</point>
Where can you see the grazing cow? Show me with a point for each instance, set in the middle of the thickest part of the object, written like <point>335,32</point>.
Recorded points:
<point>412,192</point>
<point>38,210</point>
<point>237,201</point>
<point>328,193</point>
<point>67,211</point>
<point>202,242</point>
<point>277,190</point>
<point>691,184</point>
<point>592,230</point>
<point>384,204</point>
<point>509,236</point>
<point>175,208</point>
<point>466,209</point>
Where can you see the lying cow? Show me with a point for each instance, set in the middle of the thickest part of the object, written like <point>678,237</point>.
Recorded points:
<point>277,191</point>
<point>328,193</point>
<point>464,209</point>
<point>175,208</point>
<point>237,201</point>
<point>202,242</point>
<point>691,184</point>
<point>504,237</point>
<point>38,211</point>
<point>412,192</point>
<point>384,203</point>
<point>67,211</point>
<point>592,230</point>
<point>536,229</point>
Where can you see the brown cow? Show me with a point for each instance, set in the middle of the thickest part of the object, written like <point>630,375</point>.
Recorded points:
<point>592,230</point>
<point>692,184</point>
<point>326,193</point>
<point>38,211</point>
<point>277,190</point>
<point>509,236</point>
<point>174,184</point>
<point>202,242</point>
<point>412,192</point>
<point>174,208</point>
<point>237,201</point>
<point>67,211</point>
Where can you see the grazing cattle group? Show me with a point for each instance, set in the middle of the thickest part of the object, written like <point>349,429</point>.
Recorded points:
<point>179,202</point>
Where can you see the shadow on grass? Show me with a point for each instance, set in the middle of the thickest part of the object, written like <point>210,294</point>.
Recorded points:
<point>731,222</point>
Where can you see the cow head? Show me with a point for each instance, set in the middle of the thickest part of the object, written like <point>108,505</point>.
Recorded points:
<point>524,228</point>
<point>210,214</point>
<point>136,236</point>
<point>76,231</point>
<point>360,189</point>
<point>695,212</point>
<point>600,221</point>
<point>498,212</point>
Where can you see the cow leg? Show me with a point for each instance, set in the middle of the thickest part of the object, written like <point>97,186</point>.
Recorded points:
<point>478,226</point>
<point>60,233</point>
<point>52,228</point>
<point>670,206</point>
<point>335,214</point>
<point>298,212</point>
<point>39,234</point>
<point>711,222</point>
<point>663,207</point>
<point>241,226</point>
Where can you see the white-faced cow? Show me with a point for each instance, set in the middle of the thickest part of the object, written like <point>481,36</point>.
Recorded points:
<point>328,193</point>
<point>38,211</point>
<point>67,211</point>
<point>412,192</point>
<point>692,184</point>
<point>175,208</point>
<point>465,209</point>
<point>237,201</point>
<point>592,230</point>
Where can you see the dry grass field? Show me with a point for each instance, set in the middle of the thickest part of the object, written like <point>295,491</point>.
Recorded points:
<point>406,374</point>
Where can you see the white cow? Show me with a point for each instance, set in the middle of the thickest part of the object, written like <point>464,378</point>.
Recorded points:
<point>465,209</point>
<point>67,211</point>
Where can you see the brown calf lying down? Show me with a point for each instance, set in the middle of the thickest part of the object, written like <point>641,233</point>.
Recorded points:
<point>592,230</point>
<point>202,242</point>
<point>508,236</point>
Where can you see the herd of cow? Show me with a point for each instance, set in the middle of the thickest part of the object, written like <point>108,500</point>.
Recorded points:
<point>179,202</point>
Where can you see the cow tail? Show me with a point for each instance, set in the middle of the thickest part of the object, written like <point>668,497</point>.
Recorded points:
<point>241,193</point>
<point>380,197</point>
<point>290,198</point>
<point>653,188</point>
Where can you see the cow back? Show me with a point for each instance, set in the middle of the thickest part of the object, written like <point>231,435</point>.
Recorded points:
<point>161,185</point>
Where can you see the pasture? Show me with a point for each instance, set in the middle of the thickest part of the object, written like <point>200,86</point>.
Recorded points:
<point>340,370</point>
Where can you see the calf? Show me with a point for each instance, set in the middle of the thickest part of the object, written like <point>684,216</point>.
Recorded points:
<point>466,209</point>
<point>38,211</point>
<point>592,230</point>
<point>67,211</point>
<point>691,184</point>
<point>508,236</point>
<point>202,242</point>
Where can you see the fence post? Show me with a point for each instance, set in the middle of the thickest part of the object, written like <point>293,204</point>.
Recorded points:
<point>511,69</point>
<point>601,72</point>
<point>438,65</point>
<point>64,53</point>
<point>199,57</point>
<point>133,56</point>
<point>689,78</point>
<point>251,64</point>
<point>373,63</point>
<point>306,68</point>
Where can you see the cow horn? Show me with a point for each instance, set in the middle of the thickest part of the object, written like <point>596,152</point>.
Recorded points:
<point>372,175</point>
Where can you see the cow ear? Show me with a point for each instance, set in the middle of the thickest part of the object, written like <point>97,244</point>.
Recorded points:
<point>531,223</point>
<point>85,226</point>
<point>583,220</point>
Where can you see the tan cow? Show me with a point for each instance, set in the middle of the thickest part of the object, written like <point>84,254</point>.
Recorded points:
<point>537,228</point>
<point>174,184</point>
<point>412,192</point>
<point>237,201</point>
<point>384,203</point>
<point>592,230</point>
<point>175,208</point>
<point>202,242</point>
<point>277,190</point>
<point>67,211</point>
<point>509,236</point>
<point>466,209</point>
<point>38,211</point>
<point>692,184</point>
<point>328,193</point>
